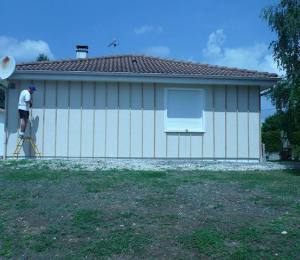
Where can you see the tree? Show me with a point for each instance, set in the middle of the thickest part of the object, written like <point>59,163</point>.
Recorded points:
<point>272,141</point>
<point>284,20</point>
<point>271,133</point>
<point>274,123</point>
<point>42,57</point>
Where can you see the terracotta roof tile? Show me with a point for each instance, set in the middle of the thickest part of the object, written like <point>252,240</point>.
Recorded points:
<point>141,64</point>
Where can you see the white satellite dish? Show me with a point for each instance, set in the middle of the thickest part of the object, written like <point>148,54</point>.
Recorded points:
<point>7,66</point>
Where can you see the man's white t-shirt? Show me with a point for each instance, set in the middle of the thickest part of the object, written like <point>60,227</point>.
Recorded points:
<point>24,97</point>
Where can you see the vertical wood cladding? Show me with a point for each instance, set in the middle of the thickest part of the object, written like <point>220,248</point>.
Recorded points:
<point>126,120</point>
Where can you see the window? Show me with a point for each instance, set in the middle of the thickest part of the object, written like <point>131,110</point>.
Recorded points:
<point>184,110</point>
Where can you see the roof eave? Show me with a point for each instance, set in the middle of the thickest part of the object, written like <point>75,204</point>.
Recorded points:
<point>142,77</point>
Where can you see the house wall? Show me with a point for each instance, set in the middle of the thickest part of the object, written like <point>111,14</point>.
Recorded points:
<point>98,119</point>
<point>2,136</point>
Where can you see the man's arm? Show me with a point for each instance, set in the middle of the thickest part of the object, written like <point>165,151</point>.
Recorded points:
<point>29,103</point>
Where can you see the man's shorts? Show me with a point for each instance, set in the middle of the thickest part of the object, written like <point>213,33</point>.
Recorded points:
<point>23,114</point>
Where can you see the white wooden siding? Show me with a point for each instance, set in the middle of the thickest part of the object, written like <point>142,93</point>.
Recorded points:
<point>243,122</point>
<point>87,135</point>
<point>196,142</point>
<point>50,119</point>
<point>61,144</point>
<point>160,136</point>
<point>231,122</point>
<point>136,137</point>
<point>148,121</point>
<point>219,122</point>
<point>173,145</point>
<point>254,97</point>
<point>208,136</point>
<point>126,120</point>
<point>112,120</point>
<point>100,119</point>
<point>184,145</point>
<point>37,133</point>
<point>13,118</point>
<point>74,137</point>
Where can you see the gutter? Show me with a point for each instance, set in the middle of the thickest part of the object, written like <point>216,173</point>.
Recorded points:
<point>266,91</point>
<point>141,77</point>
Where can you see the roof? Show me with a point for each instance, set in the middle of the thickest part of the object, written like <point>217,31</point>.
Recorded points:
<point>139,64</point>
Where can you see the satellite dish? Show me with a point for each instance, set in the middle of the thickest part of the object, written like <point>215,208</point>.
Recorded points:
<point>7,66</point>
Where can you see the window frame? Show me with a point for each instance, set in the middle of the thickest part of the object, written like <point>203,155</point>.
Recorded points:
<point>183,130</point>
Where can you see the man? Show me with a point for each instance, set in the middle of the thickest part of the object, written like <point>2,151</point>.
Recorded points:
<point>25,102</point>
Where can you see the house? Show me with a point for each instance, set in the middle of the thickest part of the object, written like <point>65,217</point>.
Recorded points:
<point>135,106</point>
<point>2,136</point>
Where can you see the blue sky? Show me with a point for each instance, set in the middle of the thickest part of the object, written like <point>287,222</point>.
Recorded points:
<point>218,32</point>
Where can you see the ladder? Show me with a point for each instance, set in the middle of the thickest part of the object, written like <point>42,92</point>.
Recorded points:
<point>20,143</point>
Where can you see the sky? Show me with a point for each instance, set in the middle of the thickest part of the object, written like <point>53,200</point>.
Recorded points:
<point>219,32</point>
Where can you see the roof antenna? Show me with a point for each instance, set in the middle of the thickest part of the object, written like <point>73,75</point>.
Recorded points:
<point>115,43</point>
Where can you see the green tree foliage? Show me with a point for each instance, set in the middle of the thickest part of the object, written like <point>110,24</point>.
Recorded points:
<point>295,139</point>
<point>273,123</point>
<point>280,121</point>
<point>42,57</point>
<point>271,130</point>
<point>272,141</point>
<point>284,20</point>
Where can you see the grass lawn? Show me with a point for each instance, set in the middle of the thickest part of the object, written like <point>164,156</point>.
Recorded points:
<point>64,214</point>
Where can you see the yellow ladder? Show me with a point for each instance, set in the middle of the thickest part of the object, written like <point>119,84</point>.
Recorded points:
<point>20,143</point>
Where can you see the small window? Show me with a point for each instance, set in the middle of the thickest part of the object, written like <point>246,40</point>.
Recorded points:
<point>184,110</point>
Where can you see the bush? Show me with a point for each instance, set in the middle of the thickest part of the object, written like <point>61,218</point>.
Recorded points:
<point>296,152</point>
<point>295,140</point>
<point>272,141</point>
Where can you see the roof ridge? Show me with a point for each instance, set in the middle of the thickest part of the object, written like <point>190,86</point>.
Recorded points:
<point>81,59</point>
<point>165,63</point>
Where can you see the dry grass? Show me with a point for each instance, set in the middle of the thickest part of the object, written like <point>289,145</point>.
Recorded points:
<point>46,213</point>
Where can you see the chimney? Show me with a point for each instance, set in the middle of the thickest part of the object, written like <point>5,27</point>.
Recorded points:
<point>82,51</point>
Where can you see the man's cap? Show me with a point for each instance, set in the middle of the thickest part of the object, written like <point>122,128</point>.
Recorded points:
<point>32,88</point>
